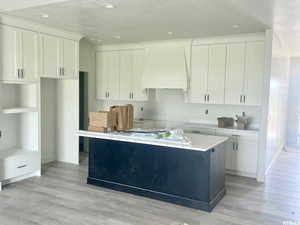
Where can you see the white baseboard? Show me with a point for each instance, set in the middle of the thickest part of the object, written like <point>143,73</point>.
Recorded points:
<point>16,179</point>
<point>241,174</point>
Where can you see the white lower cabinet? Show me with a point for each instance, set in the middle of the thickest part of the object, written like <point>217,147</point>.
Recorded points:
<point>241,152</point>
<point>18,164</point>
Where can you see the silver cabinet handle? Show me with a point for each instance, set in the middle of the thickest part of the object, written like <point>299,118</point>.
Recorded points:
<point>63,71</point>
<point>244,98</point>
<point>19,73</point>
<point>22,72</point>
<point>205,97</point>
<point>129,95</point>
<point>241,98</point>
<point>208,97</point>
<point>132,95</point>
<point>22,166</point>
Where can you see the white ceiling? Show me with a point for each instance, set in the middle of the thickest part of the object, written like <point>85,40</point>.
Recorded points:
<point>146,20</point>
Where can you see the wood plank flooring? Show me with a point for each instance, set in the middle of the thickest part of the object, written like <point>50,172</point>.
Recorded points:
<point>62,197</point>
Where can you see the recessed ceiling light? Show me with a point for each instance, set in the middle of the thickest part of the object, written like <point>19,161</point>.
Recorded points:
<point>170,33</point>
<point>235,26</point>
<point>117,36</point>
<point>108,6</point>
<point>45,16</point>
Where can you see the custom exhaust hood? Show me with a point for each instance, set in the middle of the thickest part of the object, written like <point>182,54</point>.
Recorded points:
<point>165,68</point>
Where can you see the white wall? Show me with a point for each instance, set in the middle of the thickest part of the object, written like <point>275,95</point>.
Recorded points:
<point>59,115</point>
<point>87,62</point>
<point>293,130</point>
<point>169,105</point>
<point>278,101</point>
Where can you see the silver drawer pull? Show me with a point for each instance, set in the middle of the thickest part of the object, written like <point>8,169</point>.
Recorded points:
<point>19,167</point>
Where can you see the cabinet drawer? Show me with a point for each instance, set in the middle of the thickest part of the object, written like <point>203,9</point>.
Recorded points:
<point>18,165</point>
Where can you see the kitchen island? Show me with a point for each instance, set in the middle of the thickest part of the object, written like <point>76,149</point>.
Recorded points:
<point>191,175</point>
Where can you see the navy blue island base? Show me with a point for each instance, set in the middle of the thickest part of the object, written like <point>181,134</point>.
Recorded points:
<point>185,177</point>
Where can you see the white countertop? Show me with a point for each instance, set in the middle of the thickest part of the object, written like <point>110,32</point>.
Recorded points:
<point>199,142</point>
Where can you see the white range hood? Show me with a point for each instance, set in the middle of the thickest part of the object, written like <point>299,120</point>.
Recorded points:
<point>165,68</point>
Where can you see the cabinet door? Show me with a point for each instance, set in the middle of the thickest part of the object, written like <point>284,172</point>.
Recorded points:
<point>113,74</point>
<point>234,85</point>
<point>199,74</point>
<point>254,70</point>
<point>102,77</point>
<point>126,75</point>
<point>8,54</point>
<point>108,75</point>
<point>28,55</point>
<point>69,58</point>
<point>138,64</point>
<point>245,160</point>
<point>216,75</point>
<point>50,56</point>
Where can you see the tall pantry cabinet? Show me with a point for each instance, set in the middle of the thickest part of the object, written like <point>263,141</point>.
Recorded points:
<point>25,57</point>
<point>19,104</point>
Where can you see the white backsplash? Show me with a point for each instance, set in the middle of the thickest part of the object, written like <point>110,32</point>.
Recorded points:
<point>169,105</point>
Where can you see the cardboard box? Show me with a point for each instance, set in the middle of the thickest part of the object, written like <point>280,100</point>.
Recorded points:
<point>100,119</point>
<point>97,129</point>
<point>122,117</point>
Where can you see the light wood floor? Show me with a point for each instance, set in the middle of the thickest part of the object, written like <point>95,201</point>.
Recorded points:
<point>62,197</point>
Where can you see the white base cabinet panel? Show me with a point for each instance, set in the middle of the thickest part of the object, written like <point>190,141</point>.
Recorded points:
<point>18,162</point>
<point>241,153</point>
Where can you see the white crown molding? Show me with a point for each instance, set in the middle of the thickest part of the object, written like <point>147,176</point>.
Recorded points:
<point>43,29</point>
<point>230,38</point>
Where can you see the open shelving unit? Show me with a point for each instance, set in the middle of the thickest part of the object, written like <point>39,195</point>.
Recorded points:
<point>19,130</point>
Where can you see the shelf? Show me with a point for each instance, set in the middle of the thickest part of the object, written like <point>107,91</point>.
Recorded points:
<point>19,82</point>
<point>18,110</point>
<point>12,152</point>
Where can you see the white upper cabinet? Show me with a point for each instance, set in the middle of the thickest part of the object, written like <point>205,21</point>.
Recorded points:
<point>235,73</point>
<point>50,56</point>
<point>126,74</point>
<point>108,75</point>
<point>69,58</point>
<point>59,57</point>
<point>8,52</point>
<point>244,77</point>
<point>254,71</point>
<point>208,74</point>
<point>19,49</point>
<point>28,58</point>
<point>119,75</point>
<point>199,74</point>
<point>216,74</point>
<point>138,65</point>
